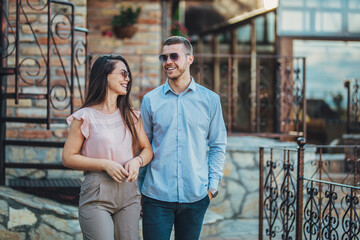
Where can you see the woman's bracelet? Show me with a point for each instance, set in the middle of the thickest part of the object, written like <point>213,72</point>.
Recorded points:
<point>141,160</point>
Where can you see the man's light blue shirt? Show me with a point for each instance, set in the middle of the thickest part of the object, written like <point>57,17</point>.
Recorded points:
<point>181,128</point>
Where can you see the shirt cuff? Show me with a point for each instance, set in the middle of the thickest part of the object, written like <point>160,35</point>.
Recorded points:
<point>214,183</point>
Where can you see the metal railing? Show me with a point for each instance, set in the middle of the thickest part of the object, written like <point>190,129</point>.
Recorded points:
<point>43,59</point>
<point>329,206</point>
<point>265,100</point>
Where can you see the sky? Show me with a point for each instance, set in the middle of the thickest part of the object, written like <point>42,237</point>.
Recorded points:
<point>328,65</point>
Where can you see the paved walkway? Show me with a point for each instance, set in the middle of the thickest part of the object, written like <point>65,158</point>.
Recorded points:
<point>240,229</point>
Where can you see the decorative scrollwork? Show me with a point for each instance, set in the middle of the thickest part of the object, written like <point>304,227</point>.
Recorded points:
<point>330,216</point>
<point>59,97</point>
<point>265,92</point>
<point>311,213</point>
<point>40,7</point>
<point>60,31</point>
<point>62,28</point>
<point>287,90</point>
<point>270,202</point>
<point>287,206</point>
<point>320,168</point>
<point>37,71</point>
<point>351,219</point>
<point>80,50</point>
<point>292,96</point>
<point>355,103</point>
<point>80,60</point>
<point>4,38</point>
<point>30,68</point>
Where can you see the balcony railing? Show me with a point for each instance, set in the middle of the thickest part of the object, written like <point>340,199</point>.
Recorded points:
<point>261,95</point>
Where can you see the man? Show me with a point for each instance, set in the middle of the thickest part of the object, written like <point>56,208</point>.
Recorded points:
<point>182,120</point>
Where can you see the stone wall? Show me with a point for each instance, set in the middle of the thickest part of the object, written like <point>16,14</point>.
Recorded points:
<point>239,189</point>
<point>23,216</point>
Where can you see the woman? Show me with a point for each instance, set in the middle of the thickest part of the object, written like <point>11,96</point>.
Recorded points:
<point>104,137</point>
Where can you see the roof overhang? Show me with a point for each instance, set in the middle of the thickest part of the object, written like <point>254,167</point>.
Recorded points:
<point>237,21</point>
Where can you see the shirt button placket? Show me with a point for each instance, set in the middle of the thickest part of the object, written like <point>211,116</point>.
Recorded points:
<point>179,147</point>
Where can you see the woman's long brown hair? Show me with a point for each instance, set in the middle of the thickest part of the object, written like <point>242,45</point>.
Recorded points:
<point>96,93</point>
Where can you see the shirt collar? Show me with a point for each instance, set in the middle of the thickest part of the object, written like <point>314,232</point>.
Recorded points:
<point>167,87</point>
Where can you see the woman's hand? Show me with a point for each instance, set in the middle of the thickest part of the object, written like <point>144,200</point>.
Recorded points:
<point>116,171</point>
<point>132,167</point>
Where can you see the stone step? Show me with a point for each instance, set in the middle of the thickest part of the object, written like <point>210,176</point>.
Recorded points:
<point>63,190</point>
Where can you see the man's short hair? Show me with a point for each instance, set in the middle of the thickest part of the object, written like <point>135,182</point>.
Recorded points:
<point>178,39</point>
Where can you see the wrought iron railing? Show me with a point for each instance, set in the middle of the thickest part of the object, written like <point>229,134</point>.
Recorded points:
<point>331,210</point>
<point>312,194</point>
<point>353,106</point>
<point>38,59</point>
<point>44,59</point>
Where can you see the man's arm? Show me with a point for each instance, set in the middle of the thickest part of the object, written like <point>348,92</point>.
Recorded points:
<point>147,123</point>
<point>146,117</point>
<point>217,144</point>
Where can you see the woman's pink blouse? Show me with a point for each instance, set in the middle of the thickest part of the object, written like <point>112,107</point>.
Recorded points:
<point>106,136</point>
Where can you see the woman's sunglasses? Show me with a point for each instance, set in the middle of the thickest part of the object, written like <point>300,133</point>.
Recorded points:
<point>173,56</point>
<point>124,73</point>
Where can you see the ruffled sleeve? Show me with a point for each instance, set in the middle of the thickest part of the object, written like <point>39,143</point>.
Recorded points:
<point>81,114</point>
<point>137,113</point>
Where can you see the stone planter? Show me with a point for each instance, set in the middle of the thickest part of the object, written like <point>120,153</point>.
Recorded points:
<point>124,32</point>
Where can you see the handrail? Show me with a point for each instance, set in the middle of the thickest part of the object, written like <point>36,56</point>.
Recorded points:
<point>330,183</point>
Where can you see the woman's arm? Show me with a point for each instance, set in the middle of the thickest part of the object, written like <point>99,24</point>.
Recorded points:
<point>145,156</point>
<point>72,158</point>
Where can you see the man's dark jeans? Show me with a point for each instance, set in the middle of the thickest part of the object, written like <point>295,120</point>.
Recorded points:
<point>159,218</point>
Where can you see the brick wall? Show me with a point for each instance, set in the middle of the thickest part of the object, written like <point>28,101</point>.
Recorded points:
<point>141,51</point>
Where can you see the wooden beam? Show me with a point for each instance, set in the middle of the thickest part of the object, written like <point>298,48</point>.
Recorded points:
<point>216,69</point>
<point>253,76</point>
<point>164,20</point>
<point>235,75</point>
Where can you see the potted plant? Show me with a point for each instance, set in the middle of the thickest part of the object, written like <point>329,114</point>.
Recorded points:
<point>178,29</point>
<point>123,24</point>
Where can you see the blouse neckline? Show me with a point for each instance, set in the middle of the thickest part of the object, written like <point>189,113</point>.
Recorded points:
<point>105,114</point>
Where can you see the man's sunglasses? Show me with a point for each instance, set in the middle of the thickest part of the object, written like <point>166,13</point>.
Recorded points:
<point>173,56</point>
<point>124,73</point>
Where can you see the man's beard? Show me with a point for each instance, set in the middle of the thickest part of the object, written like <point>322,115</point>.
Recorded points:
<point>181,72</point>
